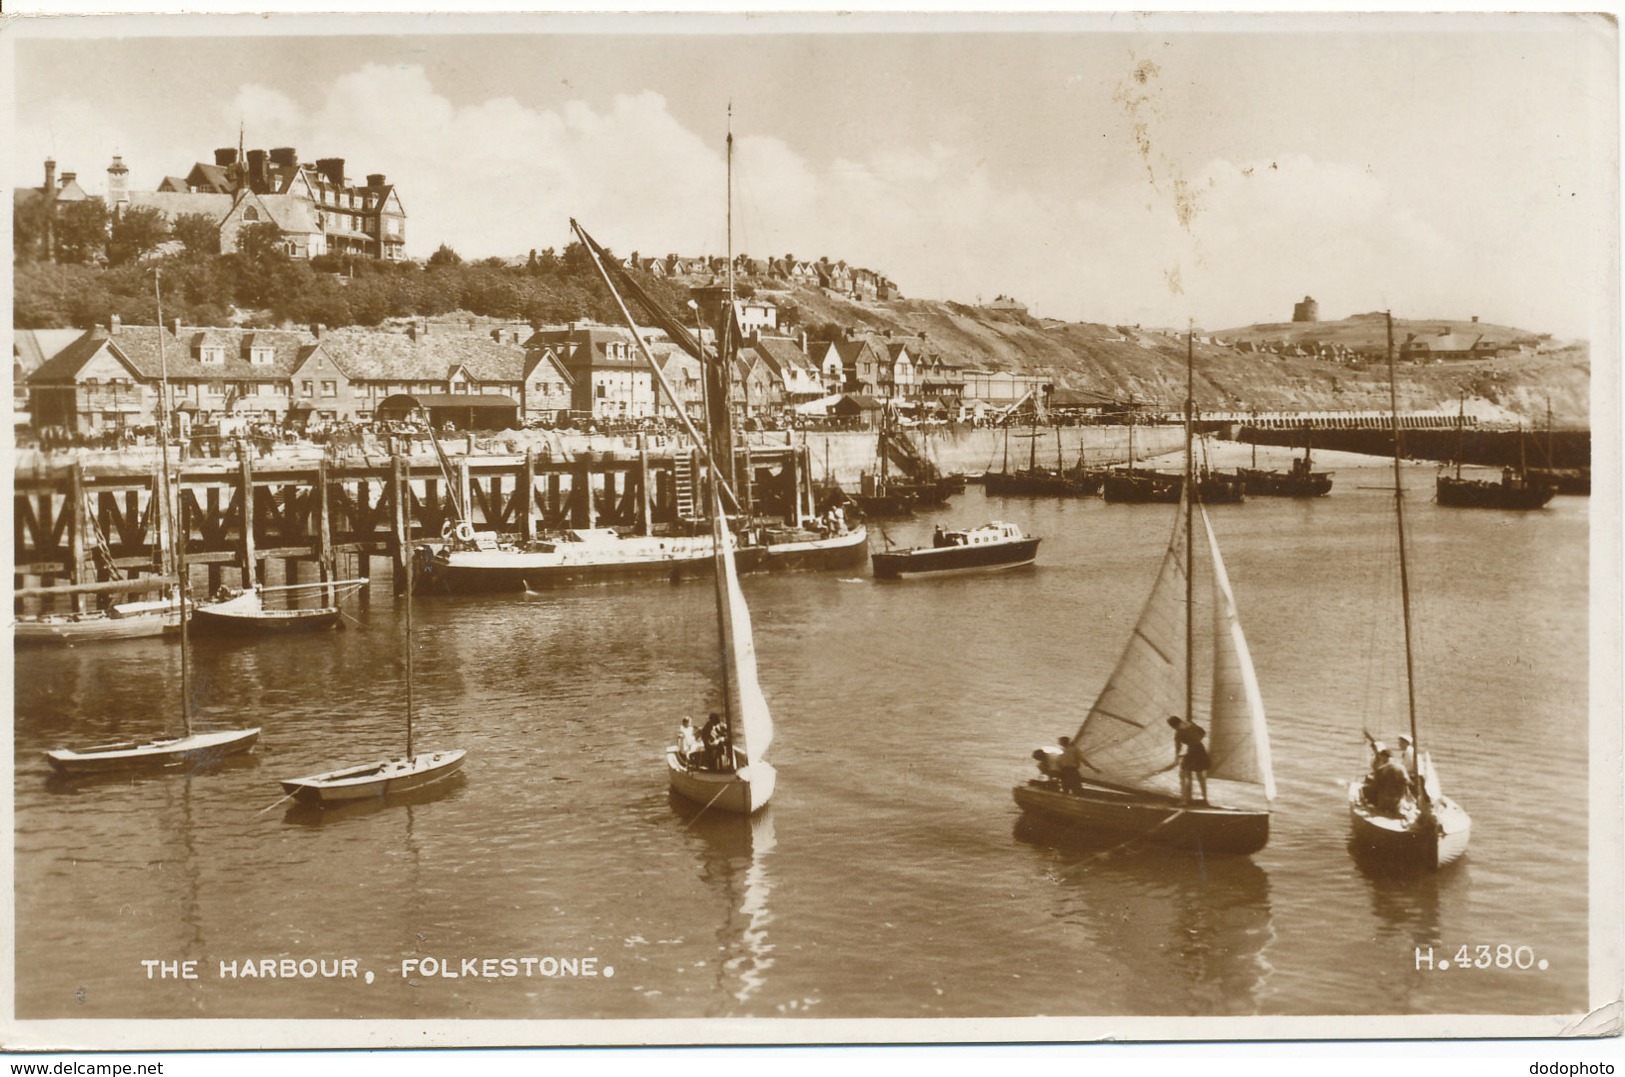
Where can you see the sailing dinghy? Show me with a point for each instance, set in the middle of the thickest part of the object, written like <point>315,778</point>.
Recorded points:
<point>1128,790</point>
<point>1427,830</point>
<point>385,777</point>
<point>191,748</point>
<point>745,780</point>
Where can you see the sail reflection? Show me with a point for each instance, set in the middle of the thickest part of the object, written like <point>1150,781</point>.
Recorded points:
<point>1192,932</point>
<point>733,852</point>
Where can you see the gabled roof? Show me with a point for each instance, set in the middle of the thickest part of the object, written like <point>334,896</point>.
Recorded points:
<point>32,348</point>
<point>784,353</point>
<point>139,344</point>
<point>64,367</point>
<point>591,349</point>
<point>368,355</point>
<point>173,204</point>
<point>211,176</point>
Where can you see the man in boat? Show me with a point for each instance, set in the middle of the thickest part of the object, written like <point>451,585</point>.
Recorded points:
<point>939,539</point>
<point>1049,764</point>
<point>1389,785</point>
<point>1407,755</point>
<point>1190,755</point>
<point>715,736</point>
<point>1068,770</point>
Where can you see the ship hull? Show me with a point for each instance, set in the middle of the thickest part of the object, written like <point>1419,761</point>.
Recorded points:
<point>1102,812</point>
<point>945,560</point>
<point>1478,494</point>
<point>644,560</point>
<point>742,792</point>
<point>375,781</point>
<point>1409,843</point>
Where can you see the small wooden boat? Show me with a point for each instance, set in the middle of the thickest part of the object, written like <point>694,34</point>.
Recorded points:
<point>371,781</point>
<point>197,749</point>
<point>247,613</point>
<point>744,790</point>
<point>130,620</point>
<point>194,747</point>
<point>988,548</point>
<point>1425,830</point>
<point>1124,742</point>
<point>382,778</point>
<point>1035,481</point>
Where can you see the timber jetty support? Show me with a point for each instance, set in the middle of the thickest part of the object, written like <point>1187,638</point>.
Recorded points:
<point>84,534</point>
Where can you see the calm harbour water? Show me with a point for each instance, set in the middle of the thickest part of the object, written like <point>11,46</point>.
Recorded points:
<point>889,877</point>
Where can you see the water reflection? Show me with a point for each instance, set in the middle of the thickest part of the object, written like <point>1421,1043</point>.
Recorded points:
<point>1191,932</point>
<point>733,860</point>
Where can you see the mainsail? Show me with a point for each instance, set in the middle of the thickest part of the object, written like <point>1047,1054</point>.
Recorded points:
<point>1238,738</point>
<point>749,722</point>
<point>1125,738</point>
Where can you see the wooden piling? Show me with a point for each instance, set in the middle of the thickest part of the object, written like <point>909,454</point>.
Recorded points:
<point>527,500</point>
<point>399,536</point>
<point>245,543</point>
<point>326,561</point>
<point>76,531</point>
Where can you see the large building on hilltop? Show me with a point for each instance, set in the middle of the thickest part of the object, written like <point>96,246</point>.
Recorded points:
<point>315,207</point>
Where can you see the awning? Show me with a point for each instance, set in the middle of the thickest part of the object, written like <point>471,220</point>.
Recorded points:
<point>820,406</point>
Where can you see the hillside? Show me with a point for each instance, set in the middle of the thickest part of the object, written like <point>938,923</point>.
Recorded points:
<point>1149,365</point>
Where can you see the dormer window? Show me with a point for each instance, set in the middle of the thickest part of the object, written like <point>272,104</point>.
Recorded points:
<point>261,355</point>
<point>212,355</point>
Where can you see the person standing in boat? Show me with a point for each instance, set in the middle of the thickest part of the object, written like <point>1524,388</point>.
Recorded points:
<point>1390,785</point>
<point>715,736</point>
<point>1190,755</point>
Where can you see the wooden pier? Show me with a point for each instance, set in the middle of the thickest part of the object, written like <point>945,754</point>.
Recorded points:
<point>83,536</point>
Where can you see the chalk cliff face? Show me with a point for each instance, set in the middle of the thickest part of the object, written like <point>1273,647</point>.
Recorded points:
<point>1149,364</point>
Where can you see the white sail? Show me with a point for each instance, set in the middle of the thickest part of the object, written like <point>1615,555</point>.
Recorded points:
<point>1125,738</point>
<point>750,723</point>
<point>1238,738</point>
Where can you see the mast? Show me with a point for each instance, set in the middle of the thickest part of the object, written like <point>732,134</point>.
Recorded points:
<point>719,540</point>
<point>728,354</point>
<point>1190,532</point>
<point>1404,572</point>
<point>411,578</point>
<point>183,583</point>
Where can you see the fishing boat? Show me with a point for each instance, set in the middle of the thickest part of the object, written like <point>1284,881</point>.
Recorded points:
<point>385,777</point>
<point>193,747</point>
<point>1517,489</point>
<point>1035,481</point>
<point>1136,486</point>
<point>1423,829</point>
<point>993,546</point>
<point>1127,790</point>
<point>742,780</point>
<point>1302,480</point>
<point>247,613</point>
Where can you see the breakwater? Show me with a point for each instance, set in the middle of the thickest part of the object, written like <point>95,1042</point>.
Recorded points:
<point>1486,448</point>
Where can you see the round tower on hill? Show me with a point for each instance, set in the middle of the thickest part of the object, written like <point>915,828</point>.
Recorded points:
<point>1307,311</point>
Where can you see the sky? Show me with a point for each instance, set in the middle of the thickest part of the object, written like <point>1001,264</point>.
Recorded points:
<point>1122,169</point>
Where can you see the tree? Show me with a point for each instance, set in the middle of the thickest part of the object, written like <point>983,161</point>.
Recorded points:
<point>28,230</point>
<point>197,233</point>
<point>261,242</point>
<point>81,231</point>
<point>445,256</point>
<point>138,231</point>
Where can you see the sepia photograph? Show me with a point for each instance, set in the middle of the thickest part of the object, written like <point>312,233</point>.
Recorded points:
<point>702,529</point>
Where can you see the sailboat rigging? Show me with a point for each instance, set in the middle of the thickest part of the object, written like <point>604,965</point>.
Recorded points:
<point>1120,784</point>
<point>1399,814</point>
<point>197,748</point>
<point>376,780</point>
<point>734,774</point>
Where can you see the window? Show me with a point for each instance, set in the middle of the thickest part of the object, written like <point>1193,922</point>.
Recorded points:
<point>90,383</point>
<point>364,416</point>
<point>603,391</point>
<point>307,388</point>
<point>215,389</point>
<point>213,355</point>
<point>251,214</point>
<point>330,388</point>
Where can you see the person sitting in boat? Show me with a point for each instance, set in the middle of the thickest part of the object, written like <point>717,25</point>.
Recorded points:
<point>1190,755</point>
<point>688,743</point>
<point>939,538</point>
<point>715,736</point>
<point>1388,789</point>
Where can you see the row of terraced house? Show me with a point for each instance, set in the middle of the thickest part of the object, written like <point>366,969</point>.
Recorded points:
<point>486,377</point>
